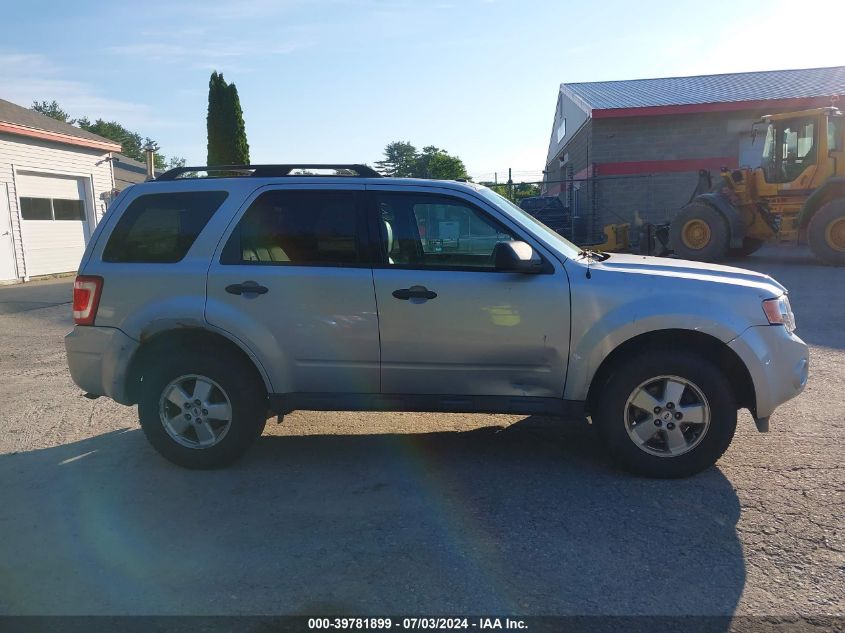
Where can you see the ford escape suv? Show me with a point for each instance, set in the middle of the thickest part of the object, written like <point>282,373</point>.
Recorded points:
<point>216,302</point>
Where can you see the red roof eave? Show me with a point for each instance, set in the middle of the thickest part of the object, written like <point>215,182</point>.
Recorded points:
<point>58,137</point>
<point>774,105</point>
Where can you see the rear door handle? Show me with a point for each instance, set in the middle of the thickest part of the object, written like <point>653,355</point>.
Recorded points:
<point>414,292</point>
<point>247,287</point>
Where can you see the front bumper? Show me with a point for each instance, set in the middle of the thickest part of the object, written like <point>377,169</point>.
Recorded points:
<point>98,359</point>
<point>778,363</point>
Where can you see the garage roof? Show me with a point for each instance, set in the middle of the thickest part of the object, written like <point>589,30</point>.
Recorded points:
<point>15,119</point>
<point>732,91</point>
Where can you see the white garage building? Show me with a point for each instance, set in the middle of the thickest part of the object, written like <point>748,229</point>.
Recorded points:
<point>55,183</point>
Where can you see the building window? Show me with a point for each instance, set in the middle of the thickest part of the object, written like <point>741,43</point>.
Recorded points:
<point>561,129</point>
<point>68,210</point>
<point>36,209</point>
<point>52,209</point>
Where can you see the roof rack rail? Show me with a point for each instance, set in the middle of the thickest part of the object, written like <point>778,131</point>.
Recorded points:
<point>267,171</point>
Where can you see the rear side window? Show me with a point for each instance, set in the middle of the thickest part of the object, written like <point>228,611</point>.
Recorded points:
<point>160,228</point>
<point>292,227</point>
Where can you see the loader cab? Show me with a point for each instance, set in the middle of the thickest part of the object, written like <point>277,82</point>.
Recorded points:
<point>790,147</point>
<point>795,142</point>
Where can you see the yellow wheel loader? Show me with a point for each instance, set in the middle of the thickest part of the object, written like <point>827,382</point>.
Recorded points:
<point>799,189</point>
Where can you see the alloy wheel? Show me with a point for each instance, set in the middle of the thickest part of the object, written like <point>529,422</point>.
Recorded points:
<point>195,411</point>
<point>667,416</point>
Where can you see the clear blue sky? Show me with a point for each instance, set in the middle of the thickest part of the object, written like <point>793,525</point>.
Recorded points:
<point>336,80</point>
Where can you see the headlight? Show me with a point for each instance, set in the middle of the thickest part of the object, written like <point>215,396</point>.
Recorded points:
<point>779,312</point>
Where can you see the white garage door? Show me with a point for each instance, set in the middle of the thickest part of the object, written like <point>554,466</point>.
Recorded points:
<point>55,222</point>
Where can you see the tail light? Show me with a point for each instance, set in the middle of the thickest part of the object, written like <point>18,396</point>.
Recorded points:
<point>86,299</point>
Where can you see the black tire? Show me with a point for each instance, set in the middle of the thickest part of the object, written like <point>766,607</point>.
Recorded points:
<point>245,392</point>
<point>749,245</point>
<point>825,233</point>
<point>628,375</point>
<point>716,246</point>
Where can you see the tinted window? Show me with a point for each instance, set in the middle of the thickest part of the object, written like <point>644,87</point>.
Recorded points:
<point>299,228</point>
<point>68,210</point>
<point>420,230</point>
<point>36,209</point>
<point>160,228</point>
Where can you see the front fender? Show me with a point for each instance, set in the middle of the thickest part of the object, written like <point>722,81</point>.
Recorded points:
<point>632,319</point>
<point>731,214</point>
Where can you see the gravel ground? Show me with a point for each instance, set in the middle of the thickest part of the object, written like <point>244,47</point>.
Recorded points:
<point>410,513</point>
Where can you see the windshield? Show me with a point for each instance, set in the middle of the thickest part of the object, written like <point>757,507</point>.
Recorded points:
<point>550,237</point>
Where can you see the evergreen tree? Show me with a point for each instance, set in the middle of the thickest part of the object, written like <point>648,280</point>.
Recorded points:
<point>240,146</point>
<point>399,160</point>
<point>227,144</point>
<point>52,110</point>
<point>216,120</point>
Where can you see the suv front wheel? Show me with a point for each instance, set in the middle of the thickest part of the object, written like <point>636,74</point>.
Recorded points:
<point>201,410</point>
<point>666,414</point>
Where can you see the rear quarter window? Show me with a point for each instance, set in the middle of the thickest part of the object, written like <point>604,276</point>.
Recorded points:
<point>161,227</point>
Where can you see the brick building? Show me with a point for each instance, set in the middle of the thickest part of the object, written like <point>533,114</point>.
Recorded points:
<point>631,150</point>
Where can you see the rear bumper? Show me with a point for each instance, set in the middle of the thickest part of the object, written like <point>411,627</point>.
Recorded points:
<point>98,359</point>
<point>778,363</point>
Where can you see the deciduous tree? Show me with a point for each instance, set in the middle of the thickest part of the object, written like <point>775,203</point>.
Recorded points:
<point>401,159</point>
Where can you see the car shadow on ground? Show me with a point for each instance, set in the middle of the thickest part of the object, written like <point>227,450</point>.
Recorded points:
<point>528,519</point>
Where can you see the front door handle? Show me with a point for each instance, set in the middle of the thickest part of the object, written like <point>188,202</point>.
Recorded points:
<point>414,292</point>
<point>247,287</point>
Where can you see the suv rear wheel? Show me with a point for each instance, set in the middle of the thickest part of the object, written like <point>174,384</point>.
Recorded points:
<point>201,410</point>
<point>666,414</point>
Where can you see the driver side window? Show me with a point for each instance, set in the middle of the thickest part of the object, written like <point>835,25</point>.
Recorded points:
<point>429,231</point>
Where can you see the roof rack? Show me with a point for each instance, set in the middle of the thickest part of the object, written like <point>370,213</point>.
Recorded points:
<point>266,171</point>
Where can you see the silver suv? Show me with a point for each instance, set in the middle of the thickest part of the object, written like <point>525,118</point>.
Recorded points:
<point>217,302</point>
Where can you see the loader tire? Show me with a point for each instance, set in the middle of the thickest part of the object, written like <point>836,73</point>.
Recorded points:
<point>700,232</point>
<point>826,233</point>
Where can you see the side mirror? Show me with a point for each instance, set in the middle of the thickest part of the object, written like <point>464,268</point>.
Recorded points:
<point>517,257</point>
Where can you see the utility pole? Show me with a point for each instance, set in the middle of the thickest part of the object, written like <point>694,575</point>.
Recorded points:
<point>510,184</point>
<point>495,178</point>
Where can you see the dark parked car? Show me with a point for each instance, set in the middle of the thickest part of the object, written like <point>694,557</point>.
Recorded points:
<point>550,211</point>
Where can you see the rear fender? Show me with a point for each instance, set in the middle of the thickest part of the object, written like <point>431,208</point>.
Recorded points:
<point>832,188</point>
